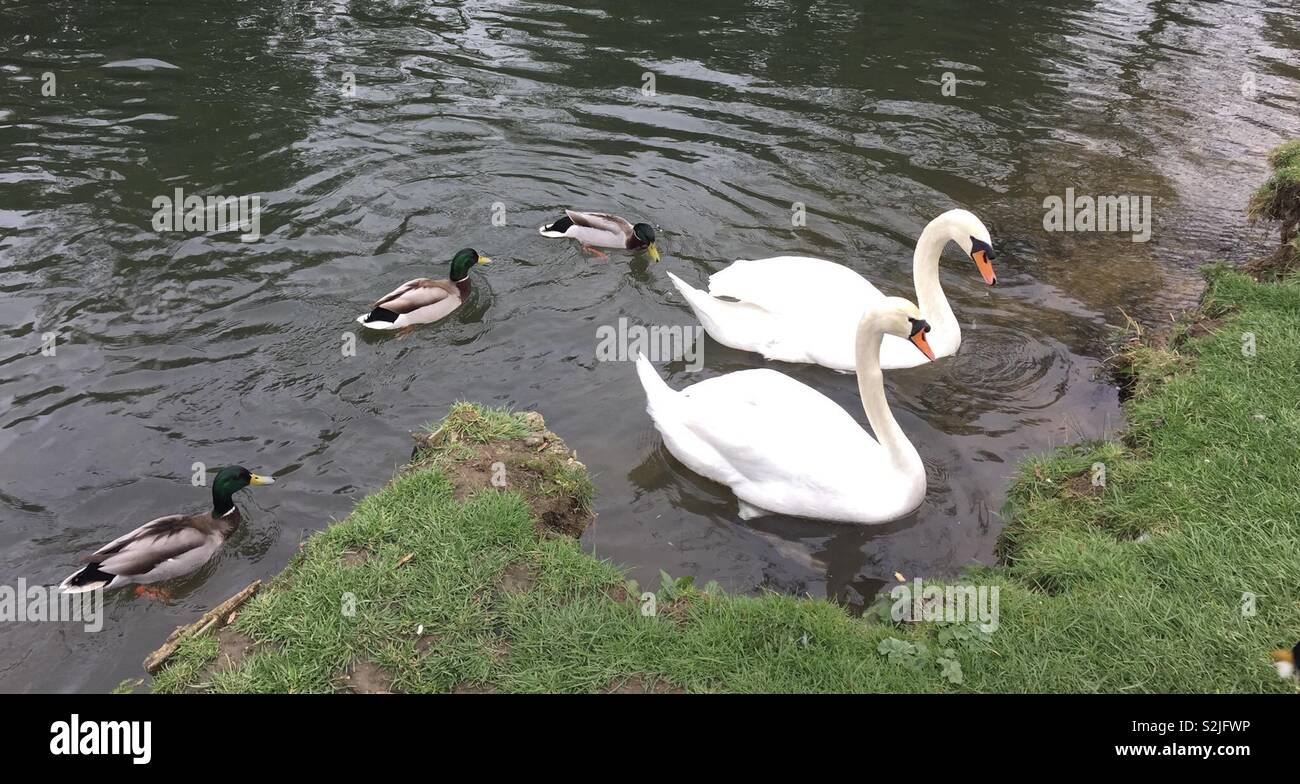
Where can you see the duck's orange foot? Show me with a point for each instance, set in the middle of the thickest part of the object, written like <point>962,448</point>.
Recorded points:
<point>405,332</point>
<point>157,594</point>
<point>593,251</point>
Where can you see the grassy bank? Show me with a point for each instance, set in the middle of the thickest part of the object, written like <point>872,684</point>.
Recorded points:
<point>1141,585</point>
<point>463,586</point>
<point>1137,585</point>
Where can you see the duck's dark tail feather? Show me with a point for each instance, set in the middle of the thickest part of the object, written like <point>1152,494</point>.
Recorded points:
<point>558,228</point>
<point>88,578</point>
<point>382,314</point>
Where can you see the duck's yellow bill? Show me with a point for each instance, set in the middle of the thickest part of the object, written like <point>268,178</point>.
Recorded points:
<point>653,250</point>
<point>484,260</point>
<point>261,480</point>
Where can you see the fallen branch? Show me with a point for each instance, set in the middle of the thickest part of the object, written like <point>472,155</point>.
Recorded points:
<point>211,618</point>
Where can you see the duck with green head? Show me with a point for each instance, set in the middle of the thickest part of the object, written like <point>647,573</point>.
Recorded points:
<point>168,547</point>
<point>602,230</point>
<point>423,300</point>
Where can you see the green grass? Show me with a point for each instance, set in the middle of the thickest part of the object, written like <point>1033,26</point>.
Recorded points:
<point>1140,587</point>
<point>1277,196</point>
<point>1278,199</point>
<point>1137,586</point>
<point>478,424</point>
<point>579,626</point>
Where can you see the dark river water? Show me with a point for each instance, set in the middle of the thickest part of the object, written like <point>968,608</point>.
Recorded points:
<point>176,348</point>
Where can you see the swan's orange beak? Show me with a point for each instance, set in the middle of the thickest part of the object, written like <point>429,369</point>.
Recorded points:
<point>1283,656</point>
<point>985,266</point>
<point>918,340</point>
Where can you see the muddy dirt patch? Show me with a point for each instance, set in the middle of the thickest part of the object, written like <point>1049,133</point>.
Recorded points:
<point>517,578</point>
<point>538,465</point>
<point>426,642</point>
<point>366,677</point>
<point>1081,486</point>
<point>353,558</point>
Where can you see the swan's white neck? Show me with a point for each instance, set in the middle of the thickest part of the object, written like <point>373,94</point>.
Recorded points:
<point>935,309</point>
<point>871,386</point>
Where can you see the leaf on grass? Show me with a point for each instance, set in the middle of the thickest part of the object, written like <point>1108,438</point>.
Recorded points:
<point>896,650</point>
<point>950,669</point>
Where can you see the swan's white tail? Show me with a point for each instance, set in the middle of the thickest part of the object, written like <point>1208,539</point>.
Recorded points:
<point>740,325</point>
<point>689,293</point>
<point>704,305</point>
<point>659,396</point>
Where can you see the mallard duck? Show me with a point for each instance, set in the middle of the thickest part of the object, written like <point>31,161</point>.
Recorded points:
<point>783,447</point>
<point>424,301</point>
<point>168,547</point>
<point>1285,662</point>
<point>602,230</point>
<point>801,309</point>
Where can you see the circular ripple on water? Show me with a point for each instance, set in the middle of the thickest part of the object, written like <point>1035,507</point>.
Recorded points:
<point>997,368</point>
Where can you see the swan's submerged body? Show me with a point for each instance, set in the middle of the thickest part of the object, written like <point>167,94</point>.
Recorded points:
<point>803,309</point>
<point>783,447</point>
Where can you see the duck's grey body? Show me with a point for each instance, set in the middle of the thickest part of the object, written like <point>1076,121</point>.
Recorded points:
<point>167,547</point>
<point>595,229</point>
<point>161,549</point>
<point>419,301</point>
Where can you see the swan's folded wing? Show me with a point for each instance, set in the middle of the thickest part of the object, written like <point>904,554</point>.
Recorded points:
<point>769,427</point>
<point>793,283</point>
<point>414,294</point>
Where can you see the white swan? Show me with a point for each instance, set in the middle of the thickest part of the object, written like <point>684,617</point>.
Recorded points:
<point>783,447</point>
<point>800,309</point>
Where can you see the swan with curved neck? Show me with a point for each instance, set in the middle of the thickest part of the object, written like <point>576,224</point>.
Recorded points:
<point>801,309</point>
<point>785,448</point>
